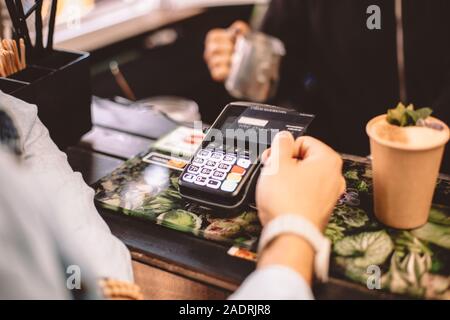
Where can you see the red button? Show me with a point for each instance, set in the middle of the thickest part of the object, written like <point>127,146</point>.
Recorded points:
<point>238,170</point>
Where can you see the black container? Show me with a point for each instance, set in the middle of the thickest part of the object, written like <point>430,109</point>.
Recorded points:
<point>59,84</point>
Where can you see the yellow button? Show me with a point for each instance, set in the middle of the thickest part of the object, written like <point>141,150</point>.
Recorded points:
<point>234,177</point>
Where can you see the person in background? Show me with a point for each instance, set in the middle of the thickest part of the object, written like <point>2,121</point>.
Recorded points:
<point>48,222</point>
<point>346,71</point>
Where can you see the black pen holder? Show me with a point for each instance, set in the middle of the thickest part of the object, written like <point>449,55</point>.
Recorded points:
<point>59,84</point>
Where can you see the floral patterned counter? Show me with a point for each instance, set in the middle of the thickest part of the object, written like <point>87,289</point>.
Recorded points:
<point>414,263</point>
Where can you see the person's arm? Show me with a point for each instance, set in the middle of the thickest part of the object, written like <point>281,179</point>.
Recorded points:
<point>40,259</point>
<point>73,199</point>
<point>303,178</point>
<point>34,259</point>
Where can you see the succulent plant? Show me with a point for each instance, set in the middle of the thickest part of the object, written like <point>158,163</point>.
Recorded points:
<point>407,116</point>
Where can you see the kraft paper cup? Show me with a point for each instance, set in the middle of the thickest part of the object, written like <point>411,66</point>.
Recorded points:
<point>404,177</point>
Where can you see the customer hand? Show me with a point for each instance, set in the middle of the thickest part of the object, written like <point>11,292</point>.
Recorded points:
<point>299,177</point>
<point>219,47</point>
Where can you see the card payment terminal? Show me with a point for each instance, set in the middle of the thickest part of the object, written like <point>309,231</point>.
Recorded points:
<point>222,173</point>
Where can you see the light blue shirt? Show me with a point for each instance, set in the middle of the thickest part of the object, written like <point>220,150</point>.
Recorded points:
<point>275,282</point>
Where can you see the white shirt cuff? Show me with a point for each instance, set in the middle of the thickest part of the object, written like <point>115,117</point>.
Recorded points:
<point>276,282</point>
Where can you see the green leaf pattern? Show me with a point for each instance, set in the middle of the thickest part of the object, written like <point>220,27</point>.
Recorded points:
<point>414,263</point>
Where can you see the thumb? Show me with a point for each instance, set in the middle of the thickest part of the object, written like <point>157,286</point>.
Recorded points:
<point>282,149</point>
